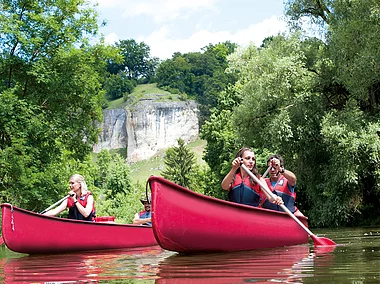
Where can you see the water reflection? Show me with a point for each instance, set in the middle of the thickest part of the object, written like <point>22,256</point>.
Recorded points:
<point>279,265</point>
<point>86,267</point>
<point>159,266</point>
<point>355,260</point>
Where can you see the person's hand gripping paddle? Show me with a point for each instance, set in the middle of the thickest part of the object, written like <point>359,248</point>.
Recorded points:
<point>318,241</point>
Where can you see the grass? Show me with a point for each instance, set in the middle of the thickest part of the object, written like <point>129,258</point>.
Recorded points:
<point>144,92</point>
<point>142,170</point>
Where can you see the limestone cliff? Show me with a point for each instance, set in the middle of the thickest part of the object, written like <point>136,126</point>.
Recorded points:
<point>148,128</point>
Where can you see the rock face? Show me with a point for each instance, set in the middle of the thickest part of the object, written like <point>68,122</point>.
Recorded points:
<point>113,133</point>
<point>148,128</point>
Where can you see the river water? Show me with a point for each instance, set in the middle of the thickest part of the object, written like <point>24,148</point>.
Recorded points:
<point>355,260</point>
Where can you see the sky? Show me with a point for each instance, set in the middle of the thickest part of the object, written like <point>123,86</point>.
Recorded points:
<point>170,26</point>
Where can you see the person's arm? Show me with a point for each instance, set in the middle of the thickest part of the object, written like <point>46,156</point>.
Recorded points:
<point>136,218</point>
<point>138,221</point>
<point>226,183</point>
<point>290,176</point>
<point>85,211</point>
<point>57,210</point>
<point>277,200</point>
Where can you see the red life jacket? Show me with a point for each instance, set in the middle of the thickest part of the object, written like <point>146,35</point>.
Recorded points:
<point>242,191</point>
<point>74,212</point>
<point>281,189</point>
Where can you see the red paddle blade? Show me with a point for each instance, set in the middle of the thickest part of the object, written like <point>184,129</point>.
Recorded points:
<point>321,250</point>
<point>321,241</point>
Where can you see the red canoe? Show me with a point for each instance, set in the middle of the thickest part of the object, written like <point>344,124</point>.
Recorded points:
<point>28,232</point>
<point>188,222</point>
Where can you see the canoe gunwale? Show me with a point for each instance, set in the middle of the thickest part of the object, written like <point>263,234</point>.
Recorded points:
<point>66,220</point>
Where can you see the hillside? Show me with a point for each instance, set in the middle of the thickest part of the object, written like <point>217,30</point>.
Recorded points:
<point>141,171</point>
<point>144,92</point>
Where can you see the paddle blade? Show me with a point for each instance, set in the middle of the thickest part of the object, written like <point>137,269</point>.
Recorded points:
<point>321,241</point>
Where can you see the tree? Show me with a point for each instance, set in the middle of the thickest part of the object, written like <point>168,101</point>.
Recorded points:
<point>118,86</point>
<point>137,63</point>
<point>306,99</point>
<point>174,74</point>
<point>180,165</point>
<point>52,77</point>
<point>348,78</point>
<point>118,176</point>
<point>198,74</point>
<point>352,35</point>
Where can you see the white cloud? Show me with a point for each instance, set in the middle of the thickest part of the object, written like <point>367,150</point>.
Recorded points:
<point>111,38</point>
<point>163,46</point>
<point>159,10</point>
<point>108,3</point>
<point>169,36</point>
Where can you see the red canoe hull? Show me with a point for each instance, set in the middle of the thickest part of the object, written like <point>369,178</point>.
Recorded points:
<point>187,222</point>
<point>27,232</point>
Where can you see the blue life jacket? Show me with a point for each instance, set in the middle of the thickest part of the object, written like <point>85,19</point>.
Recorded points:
<point>144,215</point>
<point>281,188</point>
<point>243,192</point>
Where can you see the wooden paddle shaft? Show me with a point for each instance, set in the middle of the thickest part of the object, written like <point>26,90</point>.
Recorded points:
<point>55,204</point>
<point>283,207</point>
<point>266,172</point>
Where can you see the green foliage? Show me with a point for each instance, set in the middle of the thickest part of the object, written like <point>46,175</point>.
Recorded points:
<point>117,179</point>
<point>181,166</point>
<point>118,86</point>
<point>122,205</point>
<point>353,42</point>
<point>352,35</point>
<point>316,104</point>
<point>103,160</point>
<point>137,64</point>
<point>174,74</point>
<point>199,74</point>
<point>50,96</point>
<point>117,196</point>
<point>353,145</point>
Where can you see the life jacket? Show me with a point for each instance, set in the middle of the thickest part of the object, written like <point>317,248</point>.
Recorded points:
<point>281,188</point>
<point>74,212</point>
<point>243,192</point>
<point>144,215</point>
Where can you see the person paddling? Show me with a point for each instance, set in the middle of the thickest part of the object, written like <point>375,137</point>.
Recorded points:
<point>241,188</point>
<point>80,203</point>
<point>282,182</point>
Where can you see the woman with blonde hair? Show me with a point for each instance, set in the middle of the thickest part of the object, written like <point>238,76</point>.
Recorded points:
<point>80,202</point>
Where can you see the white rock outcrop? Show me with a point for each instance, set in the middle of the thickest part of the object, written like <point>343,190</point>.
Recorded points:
<point>148,128</point>
<point>113,133</point>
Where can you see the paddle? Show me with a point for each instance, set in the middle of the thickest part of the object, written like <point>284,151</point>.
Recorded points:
<point>55,204</point>
<point>266,172</point>
<point>318,241</point>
